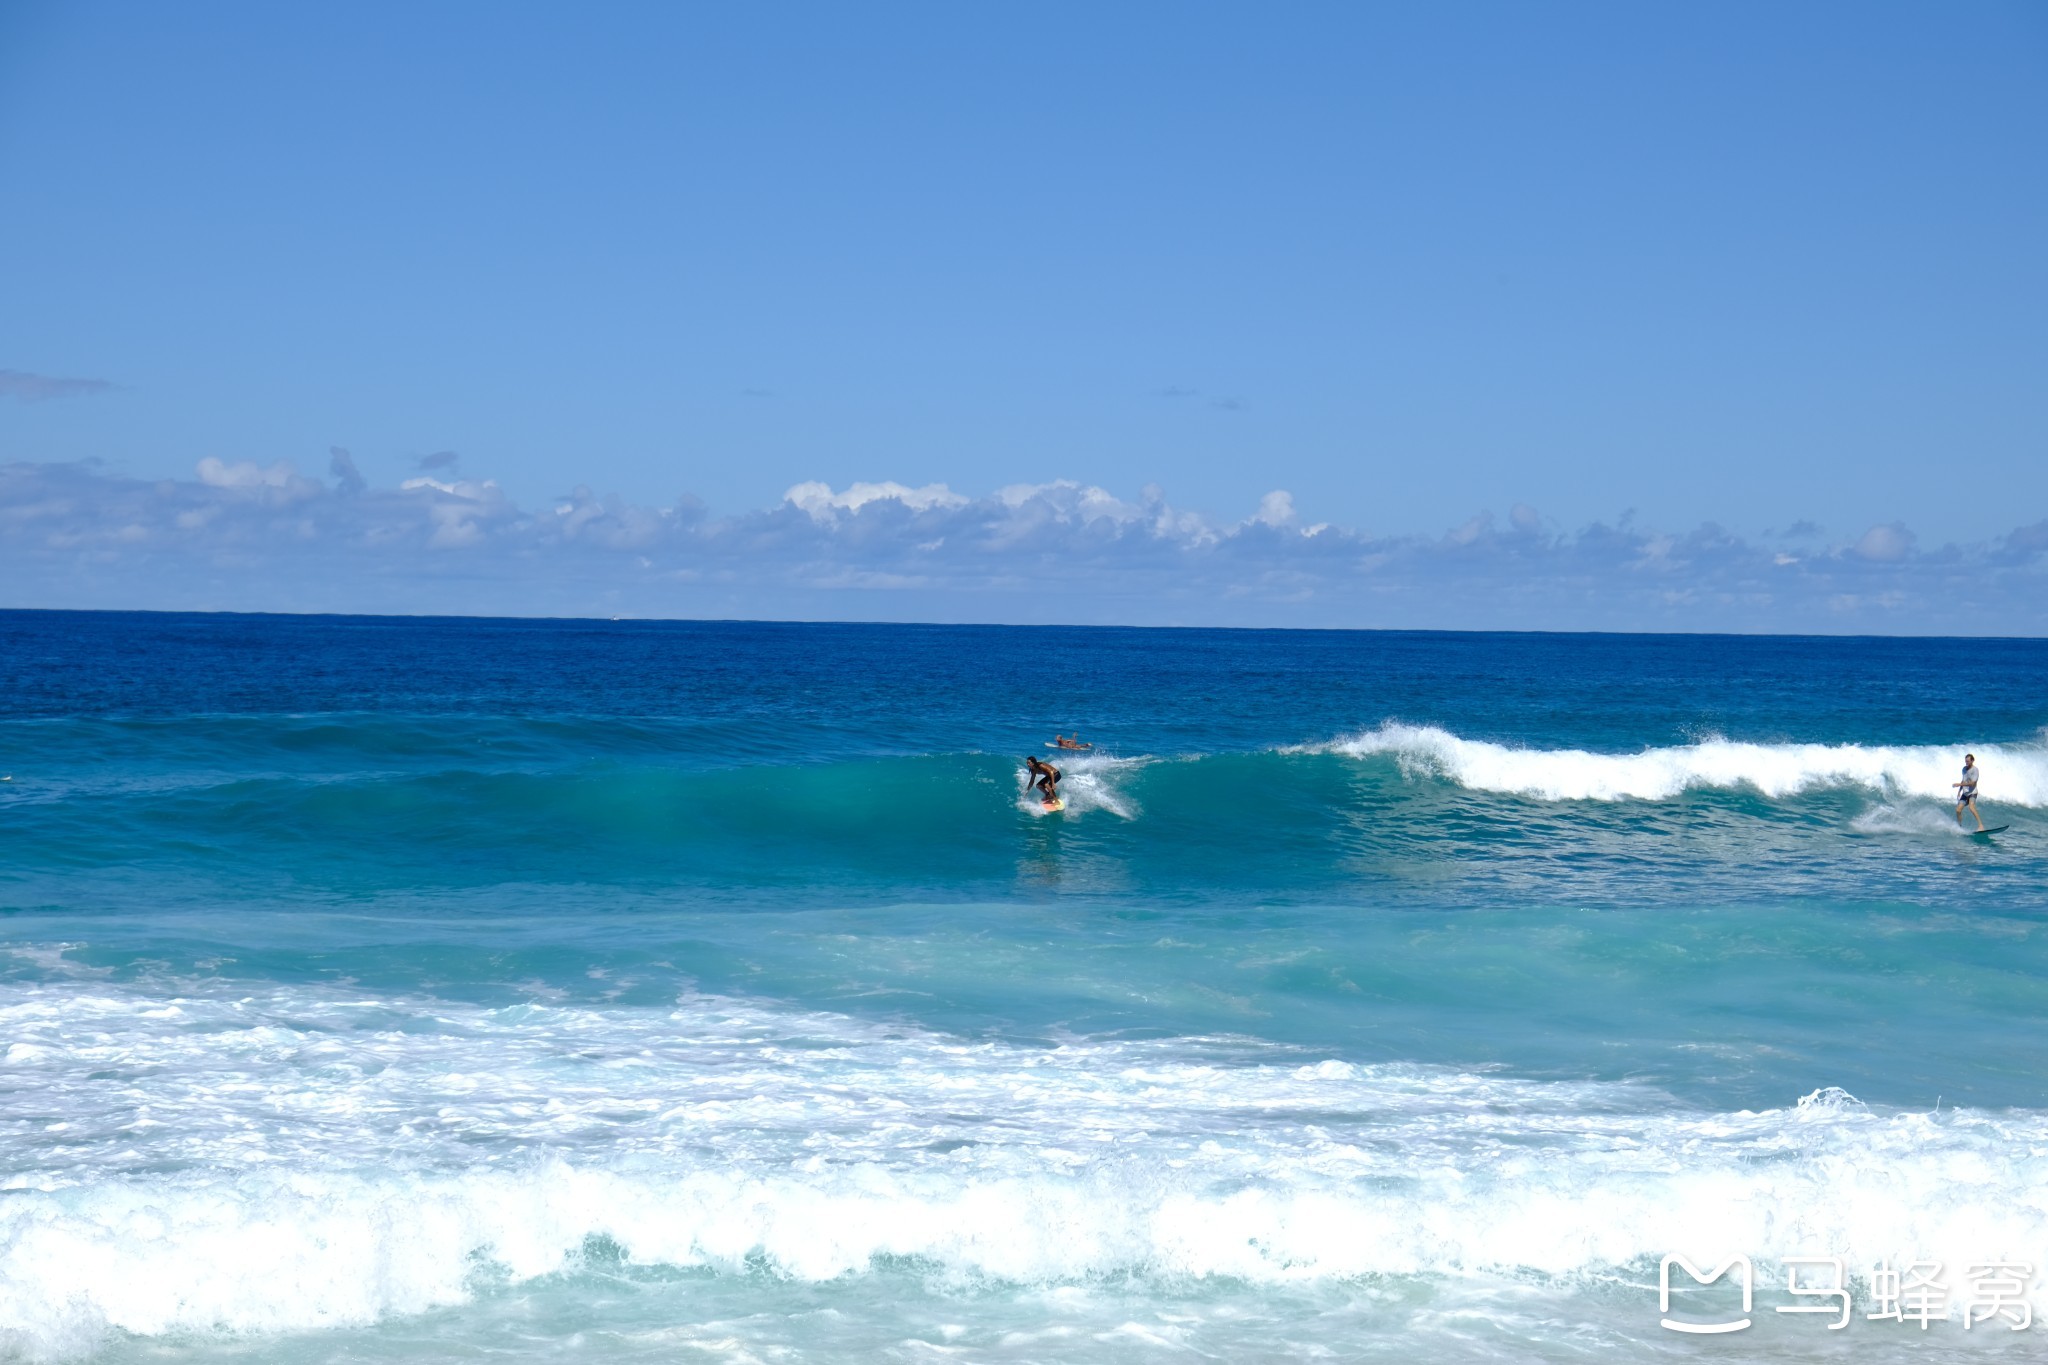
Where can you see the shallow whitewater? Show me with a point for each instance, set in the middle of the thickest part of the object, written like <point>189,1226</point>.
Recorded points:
<point>286,1160</point>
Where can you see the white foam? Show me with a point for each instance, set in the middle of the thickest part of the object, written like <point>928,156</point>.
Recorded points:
<point>297,1158</point>
<point>2014,774</point>
<point>1927,821</point>
<point>1088,782</point>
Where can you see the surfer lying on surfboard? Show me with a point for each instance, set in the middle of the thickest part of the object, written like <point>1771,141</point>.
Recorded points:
<point>1044,778</point>
<point>1075,743</point>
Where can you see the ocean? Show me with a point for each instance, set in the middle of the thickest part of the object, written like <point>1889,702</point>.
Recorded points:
<point>380,989</point>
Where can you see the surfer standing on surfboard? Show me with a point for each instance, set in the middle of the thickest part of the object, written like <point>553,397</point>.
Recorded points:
<point>1966,791</point>
<point>1044,777</point>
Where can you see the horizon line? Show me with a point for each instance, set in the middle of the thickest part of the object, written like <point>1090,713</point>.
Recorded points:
<point>996,625</point>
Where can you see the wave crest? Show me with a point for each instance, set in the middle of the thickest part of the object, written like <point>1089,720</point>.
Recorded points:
<point>2013,774</point>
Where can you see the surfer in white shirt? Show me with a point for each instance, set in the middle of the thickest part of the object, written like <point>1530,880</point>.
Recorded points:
<point>1966,791</point>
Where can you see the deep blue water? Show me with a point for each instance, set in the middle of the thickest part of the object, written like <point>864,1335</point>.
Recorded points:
<point>413,987</point>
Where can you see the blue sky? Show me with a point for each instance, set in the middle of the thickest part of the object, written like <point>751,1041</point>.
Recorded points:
<point>1561,283</point>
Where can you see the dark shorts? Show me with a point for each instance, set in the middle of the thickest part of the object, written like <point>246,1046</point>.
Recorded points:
<point>1965,798</point>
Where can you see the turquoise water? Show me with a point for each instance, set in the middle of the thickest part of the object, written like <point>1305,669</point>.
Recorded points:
<point>416,989</point>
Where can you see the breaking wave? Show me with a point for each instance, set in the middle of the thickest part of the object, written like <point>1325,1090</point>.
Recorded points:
<point>1088,782</point>
<point>2014,774</point>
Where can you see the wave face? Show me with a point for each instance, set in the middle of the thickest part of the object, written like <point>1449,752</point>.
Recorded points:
<point>1352,820</point>
<point>431,990</point>
<point>1923,772</point>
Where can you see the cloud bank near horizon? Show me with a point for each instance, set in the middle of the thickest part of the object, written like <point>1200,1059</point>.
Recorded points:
<point>255,537</point>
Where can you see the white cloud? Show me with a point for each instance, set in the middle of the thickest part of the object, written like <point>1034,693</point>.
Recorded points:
<point>1884,544</point>
<point>821,502</point>
<point>247,474</point>
<point>1472,530</point>
<point>1276,509</point>
<point>73,535</point>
